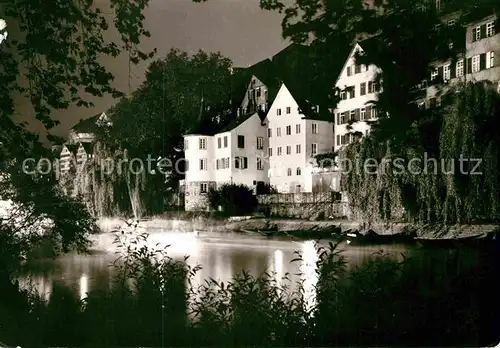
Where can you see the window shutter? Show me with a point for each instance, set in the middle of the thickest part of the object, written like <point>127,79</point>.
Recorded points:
<point>440,72</point>
<point>357,115</point>
<point>237,163</point>
<point>245,162</point>
<point>482,61</point>
<point>469,65</point>
<point>453,70</point>
<point>483,31</point>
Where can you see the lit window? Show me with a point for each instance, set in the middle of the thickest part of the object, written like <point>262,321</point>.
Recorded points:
<point>434,75</point>
<point>490,60</point>
<point>314,149</point>
<point>260,165</point>
<point>260,143</point>
<point>203,143</point>
<point>451,22</point>
<point>475,64</point>
<point>477,33</point>
<point>490,29</point>
<point>460,68</point>
<point>447,72</point>
<point>203,164</point>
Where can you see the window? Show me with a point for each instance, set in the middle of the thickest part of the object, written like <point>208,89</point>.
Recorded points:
<point>357,69</point>
<point>270,151</point>
<point>475,64</point>
<point>289,172</point>
<point>186,142</point>
<point>278,132</point>
<point>203,143</point>
<point>352,115</point>
<point>269,132</point>
<point>298,189</point>
<point>460,68</point>
<point>278,112</point>
<point>279,151</point>
<point>437,27</point>
<point>299,172</point>
<point>343,95</point>
<point>363,114</point>
<point>434,74</point>
<point>203,187</point>
<point>338,140</point>
<point>241,162</point>
<point>374,112</point>
<point>297,129</point>
<point>438,5</point>
<point>343,117</point>
<point>314,149</point>
<point>349,71</point>
<point>225,141</point>
<point>241,141</point>
<point>490,60</point>
<point>288,150</point>
<point>363,68</point>
<point>490,29</point>
<point>203,164</point>
<point>446,72</point>
<point>476,33</point>
<point>288,109</point>
<point>186,165</point>
<point>450,45</point>
<point>260,165</point>
<point>288,130</point>
<point>352,92</point>
<point>362,89</point>
<point>451,22</point>
<point>260,143</point>
<point>314,128</point>
<point>297,148</point>
<point>219,142</point>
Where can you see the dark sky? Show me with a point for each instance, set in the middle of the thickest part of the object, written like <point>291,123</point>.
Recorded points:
<point>239,29</point>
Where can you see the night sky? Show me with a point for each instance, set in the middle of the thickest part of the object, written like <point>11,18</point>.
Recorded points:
<point>239,29</point>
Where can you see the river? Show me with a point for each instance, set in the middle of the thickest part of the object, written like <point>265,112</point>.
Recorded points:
<point>221,256</point>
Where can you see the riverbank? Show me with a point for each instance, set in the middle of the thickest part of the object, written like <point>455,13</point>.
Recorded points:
<point>201,223</point>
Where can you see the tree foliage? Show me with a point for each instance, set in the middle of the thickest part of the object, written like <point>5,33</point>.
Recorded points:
<point>51,62</point>
<point>234,199</point>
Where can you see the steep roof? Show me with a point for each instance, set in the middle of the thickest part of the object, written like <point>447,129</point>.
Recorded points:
<point>239,120</point>
<point>87,125</point>
<point>307,108</point>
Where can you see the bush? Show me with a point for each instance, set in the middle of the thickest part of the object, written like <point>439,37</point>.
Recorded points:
<point>234,199</point>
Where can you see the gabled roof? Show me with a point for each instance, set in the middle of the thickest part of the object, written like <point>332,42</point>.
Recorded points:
<point>241,119</point>
<point>307,108</point>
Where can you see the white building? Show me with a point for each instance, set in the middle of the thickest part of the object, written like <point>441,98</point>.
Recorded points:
<point>236,155</point>
<point>358,88</point>
<point>296,134</point>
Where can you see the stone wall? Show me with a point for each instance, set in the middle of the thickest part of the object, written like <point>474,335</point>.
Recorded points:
<point>194,199</point>
<point>304,205</point>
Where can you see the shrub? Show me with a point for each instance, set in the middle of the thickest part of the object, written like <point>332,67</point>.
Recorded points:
<point>234,199</point>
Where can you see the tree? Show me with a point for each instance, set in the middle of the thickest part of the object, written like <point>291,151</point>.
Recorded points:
<point>234,199</point>
<point>54,63</point>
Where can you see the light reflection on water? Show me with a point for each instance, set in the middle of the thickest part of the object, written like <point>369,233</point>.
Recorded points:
<point>221,256</point>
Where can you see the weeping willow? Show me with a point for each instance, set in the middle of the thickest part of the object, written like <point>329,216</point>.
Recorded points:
<point>110,186</point>
<point>459,182</point>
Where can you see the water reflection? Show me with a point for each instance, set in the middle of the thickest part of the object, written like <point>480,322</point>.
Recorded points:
<point>220,255</point>
<point>308,272</point>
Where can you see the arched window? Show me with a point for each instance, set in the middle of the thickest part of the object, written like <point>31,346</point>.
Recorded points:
<point>289,172</point>
<point>299,172</point>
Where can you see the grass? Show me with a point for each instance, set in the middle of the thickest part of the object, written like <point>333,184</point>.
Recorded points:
<point>441,300</point>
